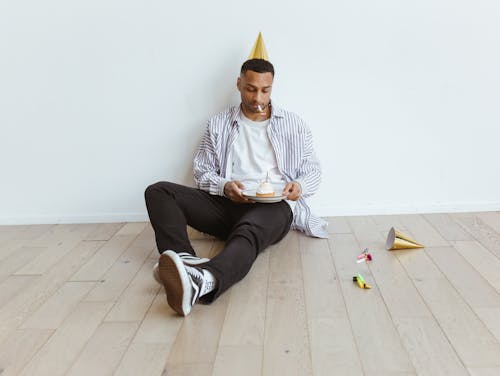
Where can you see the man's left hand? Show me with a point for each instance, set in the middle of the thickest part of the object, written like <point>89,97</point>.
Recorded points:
<point>292,191</point>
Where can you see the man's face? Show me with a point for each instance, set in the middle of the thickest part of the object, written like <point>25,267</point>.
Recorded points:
<point>255,89</point>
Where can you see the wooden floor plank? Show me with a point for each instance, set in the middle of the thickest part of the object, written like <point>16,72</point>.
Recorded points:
<point>411,316</point>
<point>485,371</point>
<point>21,238</point>
<point>61,350</point>
<point>13,285</point>
<point>432,311</point>
<point>429,350</point>
<point>19,348</point>
<point>136,299</point>
<point>244,360</point>
<point>482,260</point>
<point>492,219</point>
<point>143,359</point>
<point>242,336</point>
<point>473,288</point>
<point>423,232</point>
<point>333,348</point>
<point>338,225</point>
<point>385,222</point>
<point>189,369</point>
<point>196,343</point>
<point>475,345</point>
<point>286,343</point>
<point>61,233</point>
<point>246,312</point>
<point>95,268</point>
<point>161,324</point>
<point>105,349</point>
<point>104,231</point>
<point>54,252</point>
<point>398,291</point>
<point>481,232</point>
<point>447,227</point>
<point>379,344</point>
<point>9,232</point>
<point>491,319</point>
<point>197,339</point>
<point>10,247</point>
<point>116,279</point>
<point>20,307</point>
<point>17,260</point>
<point>23,232</point>
<point>56,308</point>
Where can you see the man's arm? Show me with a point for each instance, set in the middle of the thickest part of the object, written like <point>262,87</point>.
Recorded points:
<point>309,173</point>
<point>206,166</point>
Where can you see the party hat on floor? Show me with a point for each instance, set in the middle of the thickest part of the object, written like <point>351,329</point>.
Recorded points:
<point>397,240</point>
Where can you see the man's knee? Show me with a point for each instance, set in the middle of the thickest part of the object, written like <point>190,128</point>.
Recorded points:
<point>252,232</point>
<point>247,228</point>
<point>155,189</point>
<point>263,230</point>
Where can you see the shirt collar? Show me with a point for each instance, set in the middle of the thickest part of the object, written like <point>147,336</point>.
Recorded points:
<point>276,111</point>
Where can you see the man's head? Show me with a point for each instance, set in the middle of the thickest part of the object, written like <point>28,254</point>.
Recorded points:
<point>255,84</point>
<point>257,65</point>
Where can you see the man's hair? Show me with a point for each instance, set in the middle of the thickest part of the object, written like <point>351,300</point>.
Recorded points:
<point>257,65</point>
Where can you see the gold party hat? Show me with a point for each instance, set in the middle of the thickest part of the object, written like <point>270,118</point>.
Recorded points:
<point>259,49</point>
<point>398,240</point>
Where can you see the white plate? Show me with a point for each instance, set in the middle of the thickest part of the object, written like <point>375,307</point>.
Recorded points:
<point>250,193</point>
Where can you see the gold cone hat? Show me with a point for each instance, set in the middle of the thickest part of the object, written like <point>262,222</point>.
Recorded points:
<point>259,49</point>
<point>398,240</point>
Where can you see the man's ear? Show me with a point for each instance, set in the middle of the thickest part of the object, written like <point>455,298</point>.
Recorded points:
<point>238,83</point>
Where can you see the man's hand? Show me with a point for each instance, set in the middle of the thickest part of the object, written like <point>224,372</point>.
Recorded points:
<point>232,190</point>
<point>292,191</point>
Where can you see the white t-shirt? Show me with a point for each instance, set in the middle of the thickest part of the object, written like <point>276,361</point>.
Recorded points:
<point>253,157</point>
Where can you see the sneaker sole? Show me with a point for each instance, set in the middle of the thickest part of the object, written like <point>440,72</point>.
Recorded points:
<point>176,282</point>
<point>156,273</point>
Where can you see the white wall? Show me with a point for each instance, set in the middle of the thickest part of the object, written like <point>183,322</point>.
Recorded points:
<point>99,98</point>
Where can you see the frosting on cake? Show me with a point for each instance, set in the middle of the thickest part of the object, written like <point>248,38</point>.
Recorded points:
<point>265,189</point>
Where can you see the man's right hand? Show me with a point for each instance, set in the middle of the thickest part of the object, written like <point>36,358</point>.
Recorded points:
<point>232,190</point>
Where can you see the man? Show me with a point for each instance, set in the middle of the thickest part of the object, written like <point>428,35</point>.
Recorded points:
<point>246,142</point>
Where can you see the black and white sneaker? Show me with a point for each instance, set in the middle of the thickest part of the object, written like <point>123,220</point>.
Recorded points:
<point>187,259</point>
<point>202,278</point>
<point>181,289</point>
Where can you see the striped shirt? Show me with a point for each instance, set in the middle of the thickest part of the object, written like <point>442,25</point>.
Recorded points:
<point>291,140</point>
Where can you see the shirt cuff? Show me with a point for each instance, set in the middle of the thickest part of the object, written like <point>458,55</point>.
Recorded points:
<point>220,187</point>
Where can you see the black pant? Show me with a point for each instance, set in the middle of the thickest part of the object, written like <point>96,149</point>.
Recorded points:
<point>247,228</point>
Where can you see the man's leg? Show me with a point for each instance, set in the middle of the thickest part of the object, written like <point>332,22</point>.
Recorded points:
<point>261,226</point>
<point>171,207</point>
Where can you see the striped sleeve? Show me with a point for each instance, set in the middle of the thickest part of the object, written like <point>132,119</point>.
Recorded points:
<point>207,165</point>
<point>309,172</point>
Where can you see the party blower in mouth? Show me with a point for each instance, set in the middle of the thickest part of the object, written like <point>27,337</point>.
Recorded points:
<point>261,108</point>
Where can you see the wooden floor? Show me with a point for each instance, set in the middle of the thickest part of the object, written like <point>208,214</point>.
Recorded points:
<point>81,300</point>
